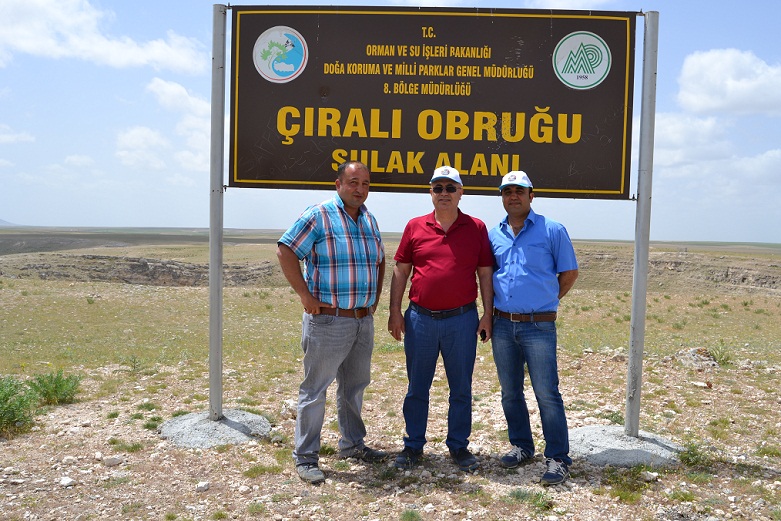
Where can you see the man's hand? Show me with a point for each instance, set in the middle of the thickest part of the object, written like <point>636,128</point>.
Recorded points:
<point>396,324</point>
<point>398,283</point>
<point>485,325</point>
<point>312,305</point>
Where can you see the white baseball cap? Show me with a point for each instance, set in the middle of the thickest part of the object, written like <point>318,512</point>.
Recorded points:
<point>446,172</point>
<point>516,177</point>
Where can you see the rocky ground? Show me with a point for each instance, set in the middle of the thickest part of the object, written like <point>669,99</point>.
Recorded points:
<point>102,457</point>
<point>92,460</point>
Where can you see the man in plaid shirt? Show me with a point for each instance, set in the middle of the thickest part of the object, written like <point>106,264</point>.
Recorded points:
<point>344,264</point>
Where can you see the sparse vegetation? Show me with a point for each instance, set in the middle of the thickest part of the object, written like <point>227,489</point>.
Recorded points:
<point>539,500</point>
<point>55,388</point>
<point>18,403</point>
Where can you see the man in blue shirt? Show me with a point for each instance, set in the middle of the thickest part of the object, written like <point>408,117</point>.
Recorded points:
<point>344,261</point>
<point>535,268</point>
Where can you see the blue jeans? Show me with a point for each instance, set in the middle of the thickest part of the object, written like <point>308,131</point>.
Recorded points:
<point>335,348</point>
<point>424,339</point>
<point>534,344</point>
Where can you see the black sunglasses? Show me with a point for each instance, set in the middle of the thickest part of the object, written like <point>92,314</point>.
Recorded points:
<point>451,189</point>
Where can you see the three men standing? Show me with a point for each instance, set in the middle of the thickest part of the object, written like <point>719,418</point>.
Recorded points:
<point>524,266</point>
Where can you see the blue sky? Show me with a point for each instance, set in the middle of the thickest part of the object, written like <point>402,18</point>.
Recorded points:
<point>104,121</point>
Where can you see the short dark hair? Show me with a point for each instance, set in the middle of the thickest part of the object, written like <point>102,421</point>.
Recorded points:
<point>343,167</point>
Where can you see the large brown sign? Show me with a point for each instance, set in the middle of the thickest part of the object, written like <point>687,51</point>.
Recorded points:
<point>406,90</point>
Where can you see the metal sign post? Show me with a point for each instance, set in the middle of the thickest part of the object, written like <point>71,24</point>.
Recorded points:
<point>642,225</point>
<point>216,212</point>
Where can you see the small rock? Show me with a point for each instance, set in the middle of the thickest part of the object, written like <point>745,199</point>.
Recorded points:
<point>66,481</point>
<point>203,486</point>
<point>289,409</point>
<point>649,477</point>
<point>112,461</point>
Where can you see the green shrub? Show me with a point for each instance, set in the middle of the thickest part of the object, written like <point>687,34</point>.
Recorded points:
<point>695,456</point>
<point>721,353</point>
<point>539,500</point>
<point>18,403</point>
<point>410,515</point>
<point>54,388</point>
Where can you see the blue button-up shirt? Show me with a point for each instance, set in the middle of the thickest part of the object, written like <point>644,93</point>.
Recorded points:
<point>341,256</point>
<point>527,265</point>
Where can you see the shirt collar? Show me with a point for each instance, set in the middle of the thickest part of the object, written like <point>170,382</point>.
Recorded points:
<point>432,220</point>
<point>531,218</point>
<point>340,205</point>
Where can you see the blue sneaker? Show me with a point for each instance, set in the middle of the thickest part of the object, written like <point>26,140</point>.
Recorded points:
<point>556,472</point>
<point>515,457</point>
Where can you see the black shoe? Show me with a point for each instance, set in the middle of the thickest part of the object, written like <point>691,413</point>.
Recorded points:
<point>407,458</point>
<point>465,460</point>
<point>365,454</point>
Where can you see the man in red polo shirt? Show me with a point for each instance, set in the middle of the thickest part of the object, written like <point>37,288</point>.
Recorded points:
<point>446,248</point>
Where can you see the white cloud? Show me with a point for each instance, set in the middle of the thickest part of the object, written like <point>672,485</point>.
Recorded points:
<point>73,29</point>
<point>142,147</point>
<point>761,172</point>
<point>194,125</point>
<point>79,160</point>
<point>173,96</point>
<point>729,80</point>
<point>682,138</point>
<point>725,182</point>
<point>9,136</point>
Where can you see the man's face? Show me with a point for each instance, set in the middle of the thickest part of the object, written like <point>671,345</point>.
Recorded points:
<point>353,186</point>
<point>517,200</point>
<point>445,194</point>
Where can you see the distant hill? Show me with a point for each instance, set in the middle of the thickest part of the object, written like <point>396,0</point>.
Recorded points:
<point>6,224</point>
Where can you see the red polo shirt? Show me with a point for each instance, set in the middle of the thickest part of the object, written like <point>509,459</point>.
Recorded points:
<point>444,265</point>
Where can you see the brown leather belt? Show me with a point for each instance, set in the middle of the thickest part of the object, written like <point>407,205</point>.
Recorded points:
<point>351,313</point>
<point>548,316</point>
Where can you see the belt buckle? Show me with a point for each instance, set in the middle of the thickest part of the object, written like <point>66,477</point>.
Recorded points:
<point>437,315</point>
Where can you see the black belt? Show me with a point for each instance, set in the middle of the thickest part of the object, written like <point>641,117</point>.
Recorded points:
<point>445,313</point>
<point>545,316</point>
<point>352,313</point>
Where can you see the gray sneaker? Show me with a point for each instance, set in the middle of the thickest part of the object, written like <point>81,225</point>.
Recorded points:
<point>555,472</point>
<point>515,457</point>
<point>310,473</point>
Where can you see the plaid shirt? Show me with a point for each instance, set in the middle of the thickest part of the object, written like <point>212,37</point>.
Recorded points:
<point>341,257</point>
